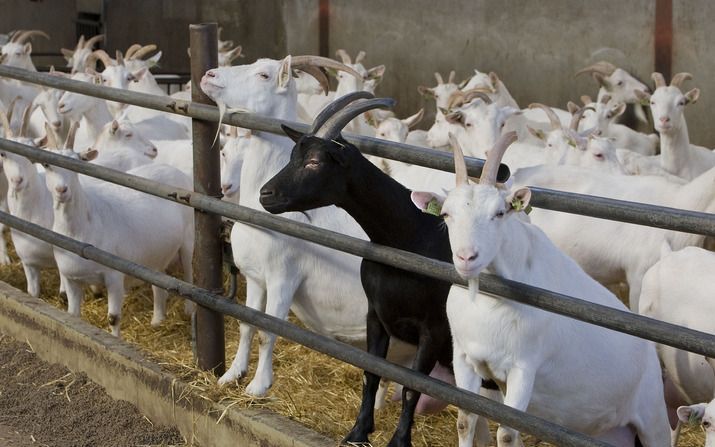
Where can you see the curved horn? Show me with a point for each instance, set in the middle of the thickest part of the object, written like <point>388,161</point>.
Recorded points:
<point>318,61</point>
<point>491,166</point>
<point>319,75</point>
<point>51,137</point>
<point>344,56</point>
<point>460,166</point>
<point>101,55</point>
<point>577,116</point>
<point>605,99</point>
<point>438,77</point>
<point>69,142</point>
<point>452,75</point>
<point>679,78</point>
<point>143,51</point>
<point>25,120</point>
<point>5,124</point>
<point>553,117</point>
<point>586,100</point>
<point>11,107</point>
<point>25,35</point>
<point>658,79</point>
<point>131,50</point>
<point>603,67</point>
<point>93,40</point>
<point>119,57</point>
<point>331,129</point>
<point>335,106</point>
<point>480,93</point>
<point>15,34</point>
<point>360,56</point>
<point>80,42</point>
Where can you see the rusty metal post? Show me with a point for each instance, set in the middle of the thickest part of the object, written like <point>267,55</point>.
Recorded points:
<point>208,268</point>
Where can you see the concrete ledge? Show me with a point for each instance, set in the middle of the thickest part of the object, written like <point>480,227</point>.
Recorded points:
<point>58,337</point>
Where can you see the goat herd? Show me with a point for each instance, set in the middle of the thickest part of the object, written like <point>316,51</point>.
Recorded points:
<point>612,386</point>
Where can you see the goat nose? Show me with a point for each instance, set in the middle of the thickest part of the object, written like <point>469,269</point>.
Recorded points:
<point>665,119</point>
<point>227,187</point>
<point>467,255</point>
<point>61,189</point>
<point>16,180</point>
<point>266,192</point>
<point>211,74</point>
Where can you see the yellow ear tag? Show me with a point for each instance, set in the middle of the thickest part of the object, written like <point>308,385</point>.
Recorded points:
<point>434,208</point>
<point>518,205</point>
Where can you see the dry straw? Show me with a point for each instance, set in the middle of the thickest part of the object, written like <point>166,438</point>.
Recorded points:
<point>311,388</point>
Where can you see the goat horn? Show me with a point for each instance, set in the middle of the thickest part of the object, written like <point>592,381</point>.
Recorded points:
<point>11,107</point>
<point>80,42</point>
<point>605,99</point>
<point>480,93</point>
<point>69,142</point>
<point>15,34</point>
<point>491,165</point>
<point>119,57</point>
<point>319,75</point>
<point>460,166</point>
<point>679,78</point>
<point>331,129</point>
<point>344,56</point>
<point>603,67</point>
<point>131,50</point>
<point>93,40</point>
<point>360,56</point>
<point>318,61</point>
<point>51,137</point>
<point>101,55</point>
<point>658,79</point>
<point>337,105</point>
<point>553,117</point>
<point>144,51</point>
<point>577,116</point>
<point>24,35</point>
<point>452,75</point>
<point>438,77</point>
<point>25,120</point>
<point>5,124</point>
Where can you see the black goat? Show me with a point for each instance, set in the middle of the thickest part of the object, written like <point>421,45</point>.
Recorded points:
<point>324,169</point>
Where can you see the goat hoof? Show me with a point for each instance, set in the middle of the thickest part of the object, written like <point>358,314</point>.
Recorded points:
<point>257,389</point>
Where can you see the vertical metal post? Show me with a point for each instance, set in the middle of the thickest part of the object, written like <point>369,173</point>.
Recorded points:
<point>208,268</point>
<point>664,37</point>
<point>324,28</point>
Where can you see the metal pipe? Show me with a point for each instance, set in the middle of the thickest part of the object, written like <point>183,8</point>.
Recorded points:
<point>544,430</point>
<point>622,321</point>
<point>208,246</point>
<point>599,207</point>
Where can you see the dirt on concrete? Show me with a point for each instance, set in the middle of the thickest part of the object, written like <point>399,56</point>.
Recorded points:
<point>44,404</point>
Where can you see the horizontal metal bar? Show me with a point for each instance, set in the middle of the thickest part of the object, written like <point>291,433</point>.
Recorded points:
<point>603,208</point>
<point>525,422</point>
<point>622,321</point>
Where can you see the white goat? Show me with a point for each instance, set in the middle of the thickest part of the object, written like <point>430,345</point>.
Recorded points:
<point>667,103</point>
<point>603,118</point>
<point>232,155</point>
<point>614,252</point>
<point>702,413</point>
<point>677,289</point>
<point>127,223</point>
<point>535,356</point>
<point>77,58</point>
<point>122,147</point>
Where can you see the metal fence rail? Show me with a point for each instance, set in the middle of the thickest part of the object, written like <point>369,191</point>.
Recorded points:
<point>525,422</point>
<point>622,321</point>
<point>604,208</point>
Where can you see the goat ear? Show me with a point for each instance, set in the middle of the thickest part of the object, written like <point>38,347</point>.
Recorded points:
<point>413,120</point>
<point>27,48</point>
<point>426,92</point>
<point>154,60</point>
<point>284,73</point>
<point>494,79</point>
<point>292,133</point>
<point>139,74</point>
<point>538,133</point>
<point>643,97</point>
<point>88,155</point>
<point>691,413</point>
<point>455,117</point>
<point>602,81</point>
<point>376,73</point>
<point>519,200</point>
<point>428,202</point>
<point>67,53</point>
<point>616,110</point>
<point>571,107</point>
<point>692,96</point>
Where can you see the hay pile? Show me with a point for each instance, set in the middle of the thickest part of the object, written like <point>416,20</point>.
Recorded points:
<point>311,388</point>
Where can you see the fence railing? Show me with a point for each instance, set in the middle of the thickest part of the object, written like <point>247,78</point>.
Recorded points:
<point>643,214</point>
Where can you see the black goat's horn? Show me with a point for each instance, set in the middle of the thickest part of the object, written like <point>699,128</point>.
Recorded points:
<point>335,106</point>
<point>331,129</point>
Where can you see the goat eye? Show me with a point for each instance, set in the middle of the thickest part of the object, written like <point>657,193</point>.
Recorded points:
<point>263,75</point>
<point>223,154</point>
<point>444,215</point>
<point>312,164</point>
<point>129,135</point>
<point>436,96</point>
<point>499,214</point>
<point>619,83</point>
<point>468,124</point>
<point>706,424</point>
<point>681,102</point>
